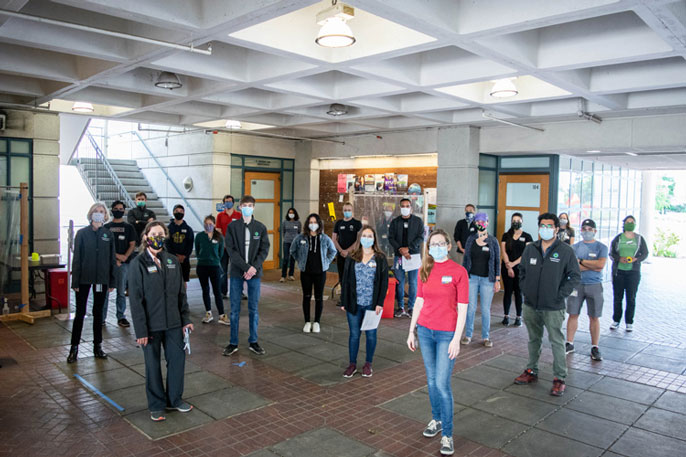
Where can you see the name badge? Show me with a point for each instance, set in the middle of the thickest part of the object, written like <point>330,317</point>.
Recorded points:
<point>342,227</point>
<point>485,248</point>
<point>152,269</point>
<point>574,293</point>
<point>122,237</point>
<point>533,261</point>
<point>406,225</point>
<point>303,242</point>
<point>183,230</point>
<point>446,279</point>
<point>372,264</point>
<point>471,229</point>
<point>384,236</point>
<point>630,242</point>
<point>98,287</point>
<point>592,254</point>
<point>214,241</point>
<point>171,266</point>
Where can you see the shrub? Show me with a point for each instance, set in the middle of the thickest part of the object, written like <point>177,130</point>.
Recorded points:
<point>664,244</point>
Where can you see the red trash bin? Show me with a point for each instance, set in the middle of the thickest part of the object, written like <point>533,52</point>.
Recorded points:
<point>389,302</point>
<point>57,288</point>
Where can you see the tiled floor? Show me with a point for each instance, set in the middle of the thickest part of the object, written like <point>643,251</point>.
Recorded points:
<point>294,402</point>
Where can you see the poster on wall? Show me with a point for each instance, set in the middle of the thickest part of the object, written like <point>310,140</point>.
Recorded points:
<point>402,183</point>
<point>342,183</point>
<point>359,184</point>
<point>389,183</point>
<point>378,182</point>
<point>369,183</point>
<point>350,182</point>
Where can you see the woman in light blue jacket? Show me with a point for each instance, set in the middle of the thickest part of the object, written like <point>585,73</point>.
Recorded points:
<point>314,251</point>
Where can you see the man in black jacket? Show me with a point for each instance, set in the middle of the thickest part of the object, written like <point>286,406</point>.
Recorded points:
<point>463,229</point>
<point>140,215</point>
<point>180,241</point>
<point>548,273</point>
<point>405,234</point>
<point>247,242</point>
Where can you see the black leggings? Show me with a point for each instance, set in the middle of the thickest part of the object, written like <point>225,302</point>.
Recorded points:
<point>287,261</point>
<point>621,282</point>
<point>209,275</point>
<point>512,286</point>
<point>81,303</point>
<point>317,280</point>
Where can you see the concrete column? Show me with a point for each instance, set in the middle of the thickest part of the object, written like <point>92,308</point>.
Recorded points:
<point>306,179</point>
<point>458,173</point>
<point>648,213</point>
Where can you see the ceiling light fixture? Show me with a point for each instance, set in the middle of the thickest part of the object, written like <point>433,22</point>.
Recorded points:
<point>82,107</point>
<point>335,33</point>
<point>336,109</point>
<point>593,151</point>
<point>504,88</point>
<point>233,124</point>
<point>168,80</point>
<point>632,154</point>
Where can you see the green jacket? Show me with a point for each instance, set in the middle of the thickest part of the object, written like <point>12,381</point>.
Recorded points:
<point>208,252</point>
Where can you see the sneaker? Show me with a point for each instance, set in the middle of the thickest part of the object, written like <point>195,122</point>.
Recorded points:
<point>569,347</point>
<point>182,407</point>
<point>225,296</point>
<point>506,321</point>
<point>466,340</point>
<point>447,446</point>
<point>400,312</point>
<point>518,322</point>
<point>350,371</point>
<point>558,388</point>
<point>224,319</point>
<point>308,327</point>
<point>123,323</point>
<point>257,349</point>
<point>208,318</point>
<point>291,278</point>
<point>614,326</point>
<point>629,327</point>
<point>527,377</point>
<point>432,429</point>
<point>230,349</point>
<point>316,328</point>
<point>282,280</point>
<point>367,371</point>
<point>157,416</point>
<point>488,343</point>
<point>595,353</point>
<point>244,297</point>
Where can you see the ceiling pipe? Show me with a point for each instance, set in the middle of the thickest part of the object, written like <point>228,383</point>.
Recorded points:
<point>126,36</point>
<point>513,124</point>
<point>270,135</point>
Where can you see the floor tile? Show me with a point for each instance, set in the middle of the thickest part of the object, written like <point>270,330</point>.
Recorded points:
<point>485,428</point>
<point>537,443</point>
<point>672,401</point>
<point>189,367</point>
<point>120,378</point>
<point>88,365</point>
<point>508,362</point>
<point>322,442</point>
<point>202,382</point>
<point>663,422</point>
<point>541,391</point>
<point>414,405</point>
<point>324,374</point>
<point>227,402</point>
<point>130,357</point>
<point>516,408</point>
<point>582,427</point>
<point>659,363</point>
<point>132,399</point>
<point>176,422</point>
<point>291,361</point>
<point>467,393</point>
<point>606,407</point>
<point>488,376</point>
<point>665,351</point>
<point>641,443</point>
<point>627,390</point>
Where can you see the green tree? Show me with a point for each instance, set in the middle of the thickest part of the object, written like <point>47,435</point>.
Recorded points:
<point>664,194</point>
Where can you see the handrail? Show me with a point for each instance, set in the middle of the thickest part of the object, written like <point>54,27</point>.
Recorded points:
<point>159,165</point>
<point>130,203</point>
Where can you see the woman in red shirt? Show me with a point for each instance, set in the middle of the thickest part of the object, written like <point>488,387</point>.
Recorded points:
<point>439,316</point>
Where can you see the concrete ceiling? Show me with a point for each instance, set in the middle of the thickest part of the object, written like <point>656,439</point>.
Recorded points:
<point>415,63</point>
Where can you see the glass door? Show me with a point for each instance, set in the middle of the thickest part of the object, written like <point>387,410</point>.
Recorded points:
<point>525,194</point>
<point>266,189</point>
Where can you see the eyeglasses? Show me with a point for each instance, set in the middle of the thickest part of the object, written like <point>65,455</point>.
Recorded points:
<point>547,225</point>
<point>441,244</point>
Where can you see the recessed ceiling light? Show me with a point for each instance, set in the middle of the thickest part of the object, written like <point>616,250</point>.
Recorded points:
<point>592,151</point>
<point>337,109</point>
<point>233,124</point>
<point>504,88</point>
<point>632,154</point>
<point>335,33</point>
<point>82,107</point>
<point>168,80</point>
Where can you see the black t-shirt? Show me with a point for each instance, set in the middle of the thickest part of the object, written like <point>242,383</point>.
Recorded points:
<point>515,248</point>
<point>123,233</point>
<point>406,226</point>
<point>566,235</point>
<point>480,256</point>
<point>314,256</point>
<point>463,230</point>
<point>347,232</point>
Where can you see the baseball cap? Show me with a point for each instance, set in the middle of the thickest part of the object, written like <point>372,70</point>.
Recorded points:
<point>588,223</point>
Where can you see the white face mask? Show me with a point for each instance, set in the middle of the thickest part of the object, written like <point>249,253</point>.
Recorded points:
<point>388,213</point>
<point>405,211</point>
<point>313,227</point>
<point>291,216</point>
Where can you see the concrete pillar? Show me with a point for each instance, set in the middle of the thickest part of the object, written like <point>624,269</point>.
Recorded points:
<point>306,179</point>
<point>458,173</point>
<point>648,212</point>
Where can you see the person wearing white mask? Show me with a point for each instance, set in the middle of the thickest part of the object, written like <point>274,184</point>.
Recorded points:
<point>93,266</point>
<point>566,232</point>
<point>314,251</point>
<point>548,273</point>
<point>290,228</point>
<point>405,235</point>
<point>382,227</point>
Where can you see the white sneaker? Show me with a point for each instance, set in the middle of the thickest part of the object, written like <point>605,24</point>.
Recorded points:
<point>224,319</point>
<point>629,327</point>
<point>447,446</point>
<point>614,326</point>
<point>208,317</point>
<point>315,327</point>
<point>307,328</point>
<point>282,280</point>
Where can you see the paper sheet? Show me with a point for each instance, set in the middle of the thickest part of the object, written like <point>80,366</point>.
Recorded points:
<point>414,263</point>
<point>371,320</point>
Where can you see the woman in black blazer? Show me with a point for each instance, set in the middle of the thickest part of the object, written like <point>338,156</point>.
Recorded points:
<point>364,287</point>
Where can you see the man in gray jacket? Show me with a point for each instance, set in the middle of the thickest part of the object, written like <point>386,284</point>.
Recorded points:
<point>548,273</point>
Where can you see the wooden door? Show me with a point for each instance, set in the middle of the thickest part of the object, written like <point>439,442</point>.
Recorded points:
<point>526,194</point>
<point>266,189</point>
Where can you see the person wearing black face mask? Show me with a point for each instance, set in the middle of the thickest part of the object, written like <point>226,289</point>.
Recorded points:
<point>180,241</point>
<point>124,245</point>
<point>512,246</point>
<point>464,229</point>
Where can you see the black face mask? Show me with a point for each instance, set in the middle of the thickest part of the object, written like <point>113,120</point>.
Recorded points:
<point>117,214</point>
<point>516,225</point>
<point>178,216</point>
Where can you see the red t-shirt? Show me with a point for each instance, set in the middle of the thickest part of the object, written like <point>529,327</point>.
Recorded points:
<point>446,286</point>
<point>223,220</point>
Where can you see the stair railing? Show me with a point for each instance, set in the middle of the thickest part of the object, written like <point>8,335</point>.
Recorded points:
<point>103,163</point>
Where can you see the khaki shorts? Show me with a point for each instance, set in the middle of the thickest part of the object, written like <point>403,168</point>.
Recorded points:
<point>592,293</point>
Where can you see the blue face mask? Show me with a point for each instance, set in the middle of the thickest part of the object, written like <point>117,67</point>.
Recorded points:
<point>438,252</point>
<point>228,205</point>
<point>367,242</point>
<point>347,214</point>
<point>247,211</point>
<point>546,233</point>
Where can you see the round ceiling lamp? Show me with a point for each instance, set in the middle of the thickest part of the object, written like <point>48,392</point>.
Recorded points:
<point>232,124</point>
<point>335,33</point>
<point>337,109</point>
<point>504,88</point>
<point>82,107</point>
<point>168,80</point>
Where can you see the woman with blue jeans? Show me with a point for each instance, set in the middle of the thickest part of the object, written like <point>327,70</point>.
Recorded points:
<point>363,288</point>
<point>482,262</point>
<point>439,316</point>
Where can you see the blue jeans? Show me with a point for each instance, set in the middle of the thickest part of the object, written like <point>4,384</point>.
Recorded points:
<point>236,285</point>
<point>479,285</point>
<point>400,287</point>
<point>120,274</point>
<point>354,324</point>
<point>439,368</point>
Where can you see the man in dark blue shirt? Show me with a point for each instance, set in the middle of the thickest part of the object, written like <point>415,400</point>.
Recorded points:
<point>180,241</point>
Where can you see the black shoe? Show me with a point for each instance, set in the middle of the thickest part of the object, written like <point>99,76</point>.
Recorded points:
<point>230,349</point>
<point>518,322</point>
<point>595,353</point>
<point>506,321</point>
<point>98,353</point>
<point>73,354</point>
<point>569,348</point>
<point>244,297</point>
<point>257,349</point>
<point>123,323</point>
